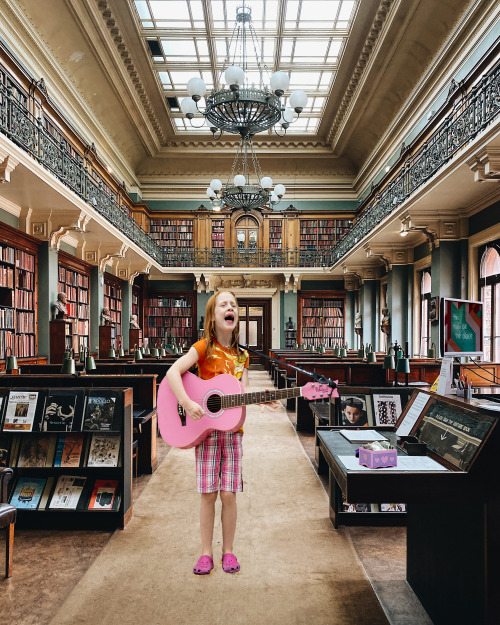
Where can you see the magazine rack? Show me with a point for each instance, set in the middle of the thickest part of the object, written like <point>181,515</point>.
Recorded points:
<point>100,474</point>
<point>453,512</point>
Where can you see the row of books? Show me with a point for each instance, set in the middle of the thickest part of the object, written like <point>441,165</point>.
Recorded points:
<point>24,345</point>
<point>60,410</point>
<point>177,332</point>
<point>7,254</point>
<point>165,302</point>
<point>25,280</point>
<point>172,222</point>
<point>68,277</point>
<point>113,291</point>
<point>24,299</point>
<point>25,321</point>
<point>163,321</point>
<point>67,492</point>
<point>74,449</point>
<point>7,318</point>
<point>25,261</point>
<point>176,243</point>
<point>7,277</point>
<point>75,294</point>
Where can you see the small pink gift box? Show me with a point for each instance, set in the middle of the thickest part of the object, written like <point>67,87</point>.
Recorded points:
<point>379,458</point>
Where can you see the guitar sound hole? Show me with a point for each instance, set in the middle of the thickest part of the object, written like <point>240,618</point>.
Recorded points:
<point>214,403</point>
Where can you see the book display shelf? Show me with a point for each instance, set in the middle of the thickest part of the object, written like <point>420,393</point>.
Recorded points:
<point>71,453</point>
<point>18,293</point>
<point>108,334</point>
<point>171,315</point>
<point>275,234</point>
<point>172,233</point>
<point>74,280</point>
<point>290,338</point>
<point>321,318</point>
<point>218,233</point>
<point>318,234</point>
<point>447,465</point>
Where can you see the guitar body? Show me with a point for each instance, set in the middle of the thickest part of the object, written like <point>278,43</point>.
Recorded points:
<point>179,430</point>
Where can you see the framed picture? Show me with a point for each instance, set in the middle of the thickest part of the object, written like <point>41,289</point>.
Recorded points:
<point>434,309</point>
<point>355,409</point>
<point>387,407</point>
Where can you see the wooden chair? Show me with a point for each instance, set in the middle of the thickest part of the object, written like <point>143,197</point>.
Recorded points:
<point>8,515</point>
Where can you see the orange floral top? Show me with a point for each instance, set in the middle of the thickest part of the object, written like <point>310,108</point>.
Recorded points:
<point>221,360</point>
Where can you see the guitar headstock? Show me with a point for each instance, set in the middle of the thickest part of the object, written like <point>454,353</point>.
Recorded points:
<point>315,390</point>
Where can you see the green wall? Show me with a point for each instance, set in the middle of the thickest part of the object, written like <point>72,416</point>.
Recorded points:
<point>9,219</point>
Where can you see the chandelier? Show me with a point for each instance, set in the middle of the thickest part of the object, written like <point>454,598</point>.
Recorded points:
<point>241,192</point>
<point>244,109</point>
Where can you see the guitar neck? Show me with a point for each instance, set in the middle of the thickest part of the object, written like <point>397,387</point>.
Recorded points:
<point>259,397</point>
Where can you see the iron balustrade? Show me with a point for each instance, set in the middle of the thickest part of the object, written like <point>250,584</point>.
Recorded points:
<point>473,113</point>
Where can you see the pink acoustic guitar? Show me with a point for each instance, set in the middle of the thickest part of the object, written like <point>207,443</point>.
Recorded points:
<point>224,404</point>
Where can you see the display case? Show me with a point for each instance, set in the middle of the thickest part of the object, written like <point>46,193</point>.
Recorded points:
<point>71,453</point>
<point>453,511</point>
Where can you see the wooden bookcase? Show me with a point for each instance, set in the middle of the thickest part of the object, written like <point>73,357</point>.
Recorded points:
<point>218,232</point>
<point>18,292</point>
<point>321,318</point>
<point>275,234</point>
<point>318,234</point>
<point>81,517</point>
<point>290,338</point>
<point>134,338</point>
<point>172,233</point>
<point>171,313</point>
<point>113,300</point>
<point>62,339</point>
<point>74,280</point>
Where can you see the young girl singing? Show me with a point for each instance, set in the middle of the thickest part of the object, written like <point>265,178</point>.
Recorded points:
<point>218,457</point>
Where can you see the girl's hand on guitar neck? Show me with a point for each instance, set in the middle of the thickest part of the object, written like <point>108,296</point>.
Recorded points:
<point>192,409</point>
<point>272,405</point>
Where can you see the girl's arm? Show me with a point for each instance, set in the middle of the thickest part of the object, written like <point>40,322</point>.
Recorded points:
<point>180,366</point>
<point>272,405</point>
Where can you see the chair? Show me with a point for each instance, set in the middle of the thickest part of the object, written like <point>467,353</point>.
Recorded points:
<point>8,515</point>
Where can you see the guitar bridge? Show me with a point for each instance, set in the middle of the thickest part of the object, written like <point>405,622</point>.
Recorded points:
<point>182,414</point>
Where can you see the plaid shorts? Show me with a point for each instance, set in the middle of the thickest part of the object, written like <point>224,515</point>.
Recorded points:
<point>218,463</point>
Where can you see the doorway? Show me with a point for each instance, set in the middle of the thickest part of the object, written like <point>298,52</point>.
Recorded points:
<point>255,327</point>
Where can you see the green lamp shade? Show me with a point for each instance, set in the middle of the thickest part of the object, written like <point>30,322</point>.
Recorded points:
<point>371,357</point>
<point>343,352</point>
<point>389,362</point>
<point>403,365</point>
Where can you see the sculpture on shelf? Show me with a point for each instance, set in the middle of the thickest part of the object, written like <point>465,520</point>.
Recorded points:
<point>289,324</point>
<point>60,306</point>
<point>133,323</point>
<point>202,321</point>
<point>385,325</point>
<point>106,317</point>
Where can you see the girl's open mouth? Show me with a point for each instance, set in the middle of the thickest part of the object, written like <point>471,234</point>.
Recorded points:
<point>229,318</point>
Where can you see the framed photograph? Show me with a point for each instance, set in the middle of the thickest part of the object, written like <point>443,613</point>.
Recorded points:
<point>434,309</point>
<point>355,409</point>
<point>387,407</point>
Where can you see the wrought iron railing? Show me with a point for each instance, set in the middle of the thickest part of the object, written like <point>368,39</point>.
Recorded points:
<point>476,110</point>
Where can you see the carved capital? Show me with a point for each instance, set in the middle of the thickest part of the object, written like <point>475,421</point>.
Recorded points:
<point>73,222</point>
<point>112,252</point>
<point>7,165</point>
<point>486,165</point>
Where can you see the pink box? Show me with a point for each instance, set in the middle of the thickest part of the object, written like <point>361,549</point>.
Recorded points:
<point>379,458</point>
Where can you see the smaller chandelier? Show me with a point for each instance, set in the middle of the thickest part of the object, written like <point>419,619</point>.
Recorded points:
<point>243,109</point>
<point>240,191</point>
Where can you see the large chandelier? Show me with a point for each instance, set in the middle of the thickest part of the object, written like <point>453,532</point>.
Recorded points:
<point>240,191</point>
<point>244,109</point>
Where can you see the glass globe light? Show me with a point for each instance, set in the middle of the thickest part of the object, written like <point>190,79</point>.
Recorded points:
<point>280,189</point>
<point>234,75</point>
<point>239,181</point>
<point>216,184</point>
<point>287,116</point>
<point>196,88</point>
<point>274,198</point>
<point>188,107</point>
<point>266,182</point>
<point>216,205</point>
<point>280,81</point>
<point>298,100</point>
<point>210,192</point>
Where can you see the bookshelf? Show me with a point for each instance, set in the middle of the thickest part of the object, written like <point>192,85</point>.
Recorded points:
<point>317,234</point>
<point>62,339</point>
<point>18,292</point>
<point>218,233</point>
<point>171,313</point>
<point>290,338</point>
<point>113,300</point>
<point>321,318</point>
<point>40,458</point>
<point>275,234</point>
<point>172,233</point>
<point>74,280</point>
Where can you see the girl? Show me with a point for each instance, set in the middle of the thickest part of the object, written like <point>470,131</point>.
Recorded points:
<point>218,457</point>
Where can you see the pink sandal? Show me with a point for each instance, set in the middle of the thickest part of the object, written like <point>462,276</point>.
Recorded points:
<point>204,565</point>
<point>230,563</point>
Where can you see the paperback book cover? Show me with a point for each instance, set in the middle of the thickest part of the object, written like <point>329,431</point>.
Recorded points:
<point>67,492</point>
<point>46,493</point>
<point>103,495</point>
<point>5,446</point>
<point>27,493</point>
<point>69,449</point>
<point>63,410</point>
<point>20,413</point>
<point>37,450</point>
<point>102,408</point>
<point>104,450</point>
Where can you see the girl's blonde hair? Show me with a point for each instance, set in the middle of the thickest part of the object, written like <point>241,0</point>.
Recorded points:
<point>209,333</point>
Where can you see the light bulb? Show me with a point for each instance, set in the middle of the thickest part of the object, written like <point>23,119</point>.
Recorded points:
<point>274,198</point>
<point>298,100</point>
<point>196,87</point>
<point>239,181</point>
<point>188,107</point>
<point>280,189</point>
<point>266,182</point>
<point>216,184</point>
<point>210,192</point>
<point>287,115</point>
<point>234,75</point>
<point>280,81</point>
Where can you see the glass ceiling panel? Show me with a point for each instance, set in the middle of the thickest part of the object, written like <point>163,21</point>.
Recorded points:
<point>180,36</point>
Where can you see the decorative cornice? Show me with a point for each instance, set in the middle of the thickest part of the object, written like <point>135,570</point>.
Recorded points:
<point>220,145</point>
<point>125,55</point>
<point>358,71</point>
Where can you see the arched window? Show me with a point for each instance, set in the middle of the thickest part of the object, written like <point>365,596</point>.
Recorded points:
<point>490,296</point>
<point>247,233</point>
<point>425,323</point>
